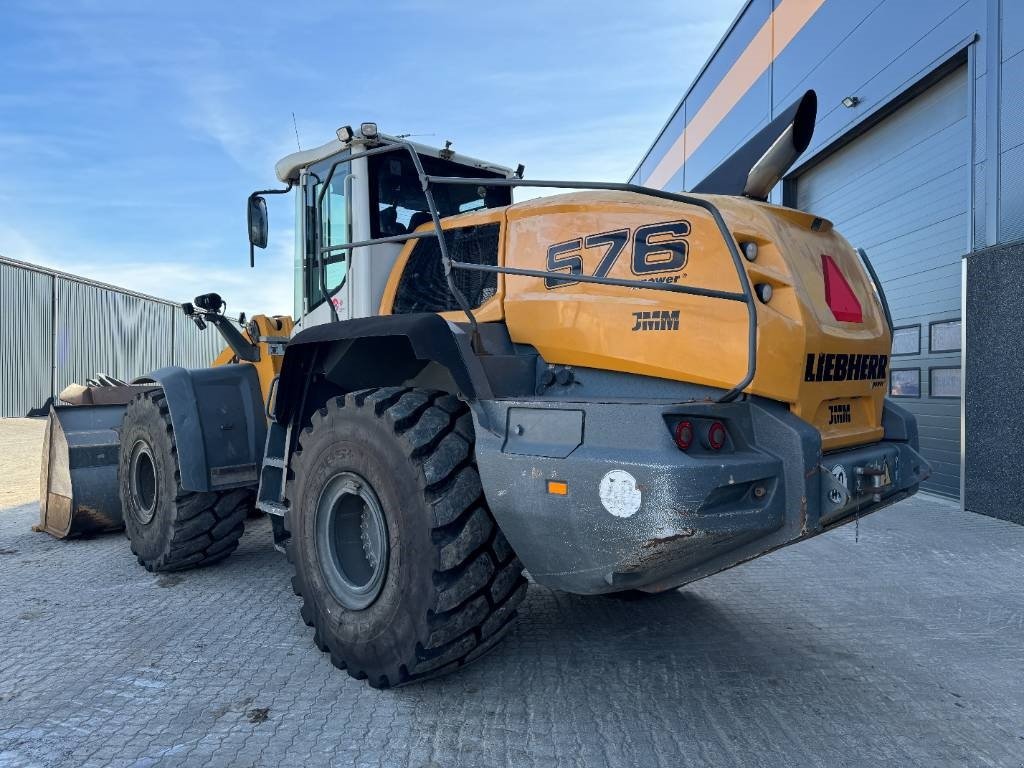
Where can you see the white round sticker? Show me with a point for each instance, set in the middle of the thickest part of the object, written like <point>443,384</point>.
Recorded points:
<point>619,494</point>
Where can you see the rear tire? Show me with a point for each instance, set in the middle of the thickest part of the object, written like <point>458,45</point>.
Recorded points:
<point>169,528</point>
<point>402,570</point>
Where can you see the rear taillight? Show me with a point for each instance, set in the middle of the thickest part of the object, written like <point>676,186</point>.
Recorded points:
<point>716,436</point>
<point>838,294</point>
<point>683,434</point>
<point>699,436</point>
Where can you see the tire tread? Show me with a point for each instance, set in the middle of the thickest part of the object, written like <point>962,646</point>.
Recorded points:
<point>205,526</point>
<point>478,582</point>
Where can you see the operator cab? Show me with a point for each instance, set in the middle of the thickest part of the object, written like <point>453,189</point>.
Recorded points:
<point>340,201</point>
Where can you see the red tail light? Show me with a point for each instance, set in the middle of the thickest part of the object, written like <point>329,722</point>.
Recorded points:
<point>716,436</point>
<point>683,434</point>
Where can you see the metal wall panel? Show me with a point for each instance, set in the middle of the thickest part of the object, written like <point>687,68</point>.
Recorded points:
<point>843,51</point>
<point>902,192</point>
<point>743,30</point>
<point>749,115</point>
<point>93,328</point>
<point>1011,104</point>
<point>194,348</point>
<point>26,333</point>
<point>1011,129</point>
<point>1011,195</point>
<point>104,331</point>
<point>874,51</point>
<point>1013,28</point>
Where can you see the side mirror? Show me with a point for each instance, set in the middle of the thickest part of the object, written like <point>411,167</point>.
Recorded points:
<point>258,223</point>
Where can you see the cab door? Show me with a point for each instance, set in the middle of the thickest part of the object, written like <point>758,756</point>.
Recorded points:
<point>323,223</point>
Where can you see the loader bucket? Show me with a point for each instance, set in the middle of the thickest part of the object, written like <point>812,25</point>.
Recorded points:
<point>79,489</point>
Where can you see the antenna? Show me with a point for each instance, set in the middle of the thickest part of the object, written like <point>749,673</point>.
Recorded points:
<point>295,125</point>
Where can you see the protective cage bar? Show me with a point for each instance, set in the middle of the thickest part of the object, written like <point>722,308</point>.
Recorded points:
<point>746,295</point>
<point>878,287</point>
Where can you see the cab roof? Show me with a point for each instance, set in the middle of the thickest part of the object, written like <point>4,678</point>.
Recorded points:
<point>288,167</point>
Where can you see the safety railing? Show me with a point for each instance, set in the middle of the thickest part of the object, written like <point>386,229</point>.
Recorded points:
<point>325,254</point>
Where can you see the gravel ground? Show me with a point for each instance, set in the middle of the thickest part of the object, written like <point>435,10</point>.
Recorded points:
<point>898,644</point>
<point>905,647</point>
<point>21,446</point>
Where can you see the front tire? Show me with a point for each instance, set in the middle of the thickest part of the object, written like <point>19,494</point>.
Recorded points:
<point>402,570</point>
<point>169,528</point>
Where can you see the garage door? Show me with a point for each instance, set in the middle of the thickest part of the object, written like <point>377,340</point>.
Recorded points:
<point>900,191</point>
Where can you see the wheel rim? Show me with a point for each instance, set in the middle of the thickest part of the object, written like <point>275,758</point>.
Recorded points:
<point>142,483</point>
<point>351,540</point>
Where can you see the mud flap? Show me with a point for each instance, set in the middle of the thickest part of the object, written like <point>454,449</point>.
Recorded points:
<point>78,492</point>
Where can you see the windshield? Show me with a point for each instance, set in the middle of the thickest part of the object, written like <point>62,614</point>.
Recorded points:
<point>398,205</point>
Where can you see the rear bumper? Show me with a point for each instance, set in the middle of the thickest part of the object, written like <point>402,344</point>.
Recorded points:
<point>674,517</point>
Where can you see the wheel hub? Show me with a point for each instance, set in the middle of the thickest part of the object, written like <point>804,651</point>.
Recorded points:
<point>351,540</point>
<point>142,483</point>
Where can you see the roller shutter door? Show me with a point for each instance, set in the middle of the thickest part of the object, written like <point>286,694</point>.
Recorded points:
<point>900,191</point>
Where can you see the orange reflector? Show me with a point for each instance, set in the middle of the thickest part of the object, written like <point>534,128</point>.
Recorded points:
<point>558,488</point>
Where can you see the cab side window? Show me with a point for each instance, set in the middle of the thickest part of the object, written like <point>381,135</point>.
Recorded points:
<point>331,220</point>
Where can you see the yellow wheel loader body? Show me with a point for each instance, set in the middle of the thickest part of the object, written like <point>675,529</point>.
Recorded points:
<point>683,337</point>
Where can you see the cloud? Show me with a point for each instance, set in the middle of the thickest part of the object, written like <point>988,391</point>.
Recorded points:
<point>212,99</point>
<point>132,134</point>
<point>266,289</point>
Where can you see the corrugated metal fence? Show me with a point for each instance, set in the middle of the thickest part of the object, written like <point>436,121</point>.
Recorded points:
<point>56,329</point>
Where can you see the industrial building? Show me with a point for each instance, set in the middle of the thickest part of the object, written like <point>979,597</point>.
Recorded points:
<point>57,329</point>
<point>917,157</point>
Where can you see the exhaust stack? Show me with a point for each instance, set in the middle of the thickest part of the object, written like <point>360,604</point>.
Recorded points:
<point>755,168</point>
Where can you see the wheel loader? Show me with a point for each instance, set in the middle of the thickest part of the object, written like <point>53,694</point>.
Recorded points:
<point>614,388</point>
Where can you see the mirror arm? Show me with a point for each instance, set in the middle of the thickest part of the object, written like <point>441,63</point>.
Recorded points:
<point>243,349</point>
<point>286,190</point>
<point>259,192</point>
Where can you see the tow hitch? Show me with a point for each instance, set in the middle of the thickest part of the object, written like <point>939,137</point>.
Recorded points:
<point>874,479</point>
<point>851,479</point>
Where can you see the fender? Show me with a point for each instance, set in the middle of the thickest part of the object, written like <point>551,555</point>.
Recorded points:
<point>219,424</point>
<point>387,350</point>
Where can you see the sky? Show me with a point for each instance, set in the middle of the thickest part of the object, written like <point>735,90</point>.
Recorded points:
<point>131,133</point>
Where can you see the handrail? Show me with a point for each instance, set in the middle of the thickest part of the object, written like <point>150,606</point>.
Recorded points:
<point>746,295</point>
<point>878,287</point>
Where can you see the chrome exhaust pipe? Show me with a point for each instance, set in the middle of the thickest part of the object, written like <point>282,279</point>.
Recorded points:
<point>755,168</point>
<point>780,156</point>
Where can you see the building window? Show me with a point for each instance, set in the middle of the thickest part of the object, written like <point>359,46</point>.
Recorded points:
<point>944,336</point>
<point>905,382</point>
<point>944,382</point>
<point>906,340</point>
